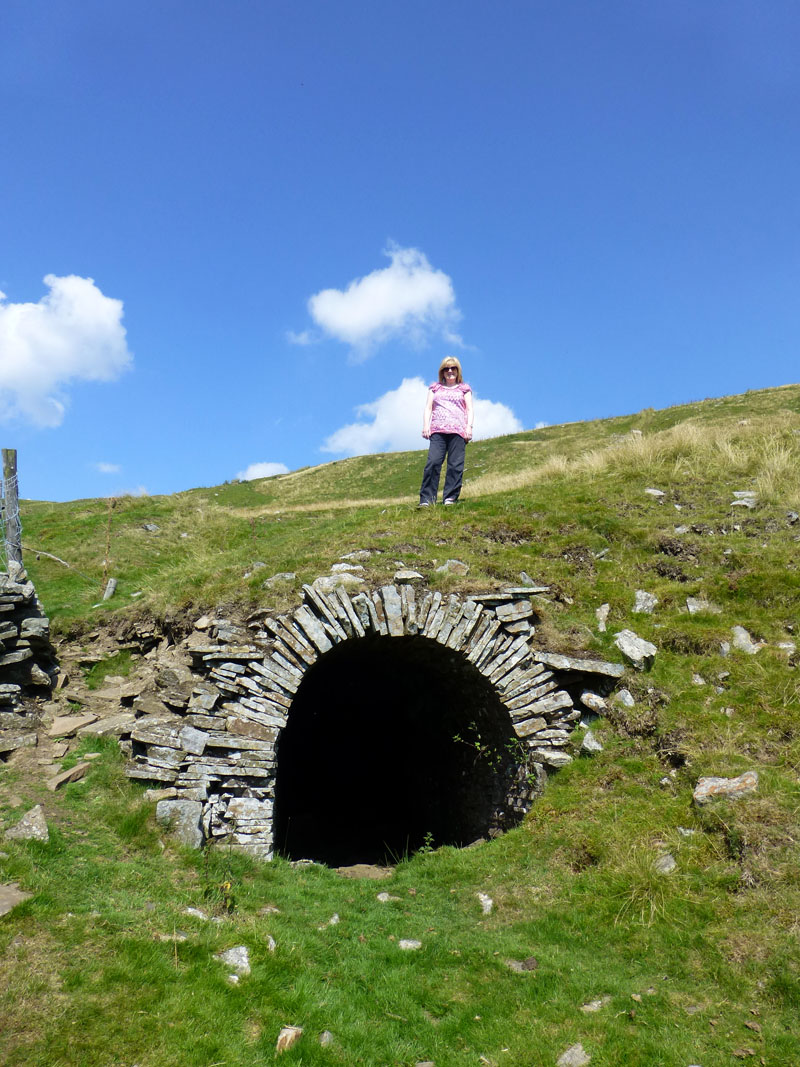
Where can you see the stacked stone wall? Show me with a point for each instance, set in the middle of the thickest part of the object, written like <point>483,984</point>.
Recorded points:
<point>215,759</point>
<point>27,663</point>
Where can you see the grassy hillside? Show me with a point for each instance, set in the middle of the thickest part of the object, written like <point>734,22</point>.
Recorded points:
<point>701,966</point>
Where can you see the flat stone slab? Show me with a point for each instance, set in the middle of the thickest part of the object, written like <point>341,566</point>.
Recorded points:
<point>68,725</point>
<point>74,774</point>
<point>708,790</point>
<point>10,896</point>
<point>572,663</point>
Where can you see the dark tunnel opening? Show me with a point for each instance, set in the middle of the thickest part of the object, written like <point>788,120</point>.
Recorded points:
<point>392,744</point>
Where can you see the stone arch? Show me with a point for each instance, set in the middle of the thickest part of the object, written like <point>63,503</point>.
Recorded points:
<point>222,755</point>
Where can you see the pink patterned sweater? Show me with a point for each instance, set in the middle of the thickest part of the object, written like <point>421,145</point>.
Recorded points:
<point>449,414</point>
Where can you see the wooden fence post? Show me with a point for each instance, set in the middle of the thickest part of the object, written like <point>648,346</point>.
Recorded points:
<point>11,523</point>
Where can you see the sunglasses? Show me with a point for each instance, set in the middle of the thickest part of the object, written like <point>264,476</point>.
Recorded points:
<point>450,370</point>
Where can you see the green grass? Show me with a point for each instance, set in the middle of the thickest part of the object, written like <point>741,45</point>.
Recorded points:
<point>90,973</point>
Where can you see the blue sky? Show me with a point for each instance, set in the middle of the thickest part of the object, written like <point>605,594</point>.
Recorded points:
<point>291,211</point>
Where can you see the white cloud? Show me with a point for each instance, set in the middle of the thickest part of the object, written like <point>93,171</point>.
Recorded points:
<point>107,468</point>
<point>304,337</point>
<point>74,333</point>
<point>407,299</point>
<point>262,470</point>
<point>393,422</point>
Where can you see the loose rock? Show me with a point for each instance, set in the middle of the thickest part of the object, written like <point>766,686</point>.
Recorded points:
<point>744,642</point>
<point>574,1056</point>
<point>288,1037</point>
<point>708,790</point>
<point>644,603</point>
<point>636,650</point>
<point>31,827</point>
<point>238,958</point>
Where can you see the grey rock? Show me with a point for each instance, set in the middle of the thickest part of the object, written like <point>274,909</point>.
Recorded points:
<point>657,493</point>
<point>409,944</point>
<point>347,568</point>
<point>238,958</point>
<point>644,603</point>
<point>193,741</point>
<point>710,789</point>
<point>406,576</point>
<point>68,725</point>
<point>639,653</point>
<point>182,818</point>
<point>361,555</point>
<point>590,745</point>
<point>744,642</point>
<point>10,896</point>
<point>665,864</point>
<point>698,605</point>
<point>326,1038</point>
<point>276,579</point>
<point>327,583</point>
<point>574,1056</point>
<point>625,698</point>
<point>74,774</point>
<point>601,614</point>
<point>31,827</point>
<point>595,1005</point>
<point>453,566</point>
<point>594,702</point>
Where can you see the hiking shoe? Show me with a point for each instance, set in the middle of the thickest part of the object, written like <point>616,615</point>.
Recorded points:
<point>423,504</point>
<point>450,501</point>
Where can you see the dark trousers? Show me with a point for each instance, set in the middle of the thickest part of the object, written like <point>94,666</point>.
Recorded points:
<point>440,445</point>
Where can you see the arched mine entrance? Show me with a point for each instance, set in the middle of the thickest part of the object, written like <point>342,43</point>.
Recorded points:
<point>392,744</point>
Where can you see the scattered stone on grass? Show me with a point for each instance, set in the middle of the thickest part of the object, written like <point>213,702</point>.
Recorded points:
<point>601,614</point>
<point>405,576</point>
<point>698,679</point>
<point>409,944</point>
<point>333,921</point>
<point>639,653</point>
<point>326,1038</point>
<point>276,579</point>
<point>453,566</point>
<point>657,493</point>
<point>10,896</point>
<point>699,605</point>
<point>590,745</point>
<point>625,698</point>
<point>31,827</point>
<point>196,913</point>
<point>644,603</point>
<point>74,774</point>
<point>665,864</point>
<point>237,957</point>
<point>385,898</point>
<point>288,1037</point>
<point>595,1005</point>
<point>574,1056</point>
<point>520,966</point>
<point>710,789</point>
<point>744,642</point>
<point>486,903</point>
<point>347,568</point>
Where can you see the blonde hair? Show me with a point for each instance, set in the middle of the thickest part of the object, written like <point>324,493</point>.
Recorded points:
<point>450,361</point>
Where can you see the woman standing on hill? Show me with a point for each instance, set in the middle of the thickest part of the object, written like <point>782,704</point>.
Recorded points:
<point>447,425</point>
